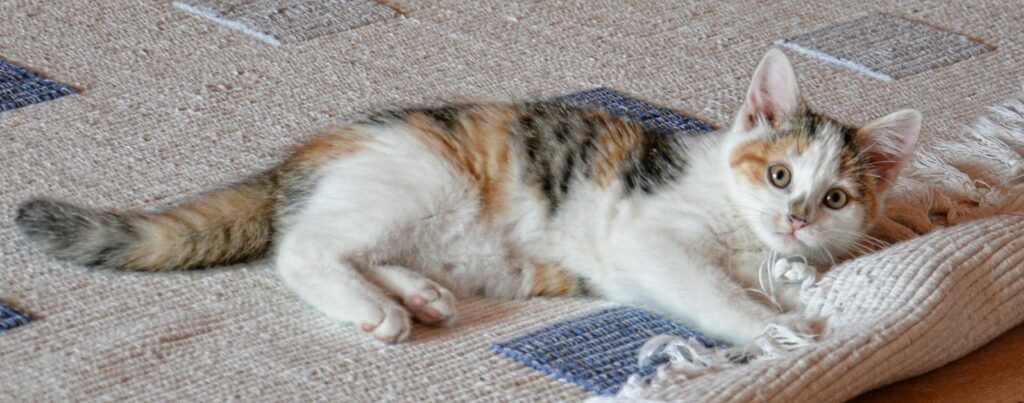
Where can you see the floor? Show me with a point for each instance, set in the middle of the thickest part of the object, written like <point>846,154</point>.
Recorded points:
<point>993,373</point>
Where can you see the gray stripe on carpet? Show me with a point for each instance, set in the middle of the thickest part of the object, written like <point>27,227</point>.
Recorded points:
<point>280,22</point>
<point>886,47</point>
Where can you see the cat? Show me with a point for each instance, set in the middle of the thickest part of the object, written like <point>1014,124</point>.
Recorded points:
<point>392,217</point>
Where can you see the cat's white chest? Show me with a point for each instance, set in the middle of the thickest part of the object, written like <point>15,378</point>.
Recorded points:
<point>739,250</point>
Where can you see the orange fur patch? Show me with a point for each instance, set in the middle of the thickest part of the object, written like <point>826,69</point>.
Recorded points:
<point>550,280</point>
<point>613,144</point>
<point>478,146</point>
<point>325,148</point>
<point>752,158</point>
<point>231,224</point>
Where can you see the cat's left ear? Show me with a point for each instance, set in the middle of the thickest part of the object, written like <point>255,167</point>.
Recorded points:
<point>890,142</point>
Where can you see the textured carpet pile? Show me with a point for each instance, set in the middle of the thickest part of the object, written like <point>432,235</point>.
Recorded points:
<point>170,104</point>
<point>886,47</point>
<point>287,21</point>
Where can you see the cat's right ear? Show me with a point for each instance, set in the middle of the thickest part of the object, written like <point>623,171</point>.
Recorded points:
<point>889,142</point>
<point>773,93</point>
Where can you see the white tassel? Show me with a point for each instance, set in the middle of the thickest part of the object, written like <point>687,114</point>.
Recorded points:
<point>787,338</point>
<point>687,353</point>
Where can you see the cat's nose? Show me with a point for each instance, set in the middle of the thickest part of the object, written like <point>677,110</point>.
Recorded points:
<point>797,222</point>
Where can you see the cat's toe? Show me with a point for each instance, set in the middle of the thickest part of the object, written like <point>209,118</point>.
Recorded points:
<point>433,305</point>
<point>793,271</point>
<point>392,326</point>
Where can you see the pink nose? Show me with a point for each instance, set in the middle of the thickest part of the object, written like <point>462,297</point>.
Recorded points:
<point>796,222</point>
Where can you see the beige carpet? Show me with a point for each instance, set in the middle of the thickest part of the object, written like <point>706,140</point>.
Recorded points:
<point>171,104</point>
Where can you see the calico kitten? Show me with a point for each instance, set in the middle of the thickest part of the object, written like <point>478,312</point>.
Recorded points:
<point>395,216</point>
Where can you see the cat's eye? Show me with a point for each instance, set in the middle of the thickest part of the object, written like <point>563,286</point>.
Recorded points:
<point>835,199</point>
<point>779,175</point>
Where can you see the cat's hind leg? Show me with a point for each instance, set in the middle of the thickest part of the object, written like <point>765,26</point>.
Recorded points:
<point>428,301</point>
<point>336,288</point>
<point>309,266</point>
<point>362,211</point>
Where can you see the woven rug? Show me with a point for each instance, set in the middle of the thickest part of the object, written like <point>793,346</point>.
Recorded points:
<point>598,352</point>
<point>20,87</point>
<point>177,104</point>
<point>886,47</point>
<point>279,22</point>
<point>11,318</point>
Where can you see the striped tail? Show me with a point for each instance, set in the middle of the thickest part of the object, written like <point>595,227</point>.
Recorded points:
<point>227,226</point>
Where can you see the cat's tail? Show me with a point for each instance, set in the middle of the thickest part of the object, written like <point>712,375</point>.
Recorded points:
<point>226,226</point>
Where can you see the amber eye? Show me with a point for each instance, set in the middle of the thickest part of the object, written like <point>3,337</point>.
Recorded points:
<point>779,175</point>
<point>835,199</point>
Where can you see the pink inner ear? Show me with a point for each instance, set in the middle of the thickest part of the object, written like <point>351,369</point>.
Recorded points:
<point>761,106</point>
<point>773,91</point>
<point>747,118</point>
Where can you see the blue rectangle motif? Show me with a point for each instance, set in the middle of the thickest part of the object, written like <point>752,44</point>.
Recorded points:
<point>654,117</point>
<point>20,87</point>
<point>598,352</point>
<point>11,318</point>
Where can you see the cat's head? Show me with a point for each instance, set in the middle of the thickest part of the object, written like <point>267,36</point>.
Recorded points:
<point>807,184</point>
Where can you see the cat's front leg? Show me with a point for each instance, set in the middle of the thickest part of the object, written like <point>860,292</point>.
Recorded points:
<point>692,288</point>
<point>776,281</point>
<point>791,277</point>
<point>701,295</point>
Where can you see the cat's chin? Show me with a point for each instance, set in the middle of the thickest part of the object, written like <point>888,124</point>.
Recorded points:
<point>785,243</point>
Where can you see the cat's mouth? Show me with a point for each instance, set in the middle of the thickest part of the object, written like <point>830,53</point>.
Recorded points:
<point>789,237</point>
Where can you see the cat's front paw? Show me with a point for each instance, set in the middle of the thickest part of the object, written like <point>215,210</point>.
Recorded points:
<point>391,324</point>
<point>793,271</point>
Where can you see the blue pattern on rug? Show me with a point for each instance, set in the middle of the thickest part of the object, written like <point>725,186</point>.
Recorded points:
<point>11,318</point>
<point>644,113</point>
<point>20,87</point>
<point>598,352</point>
